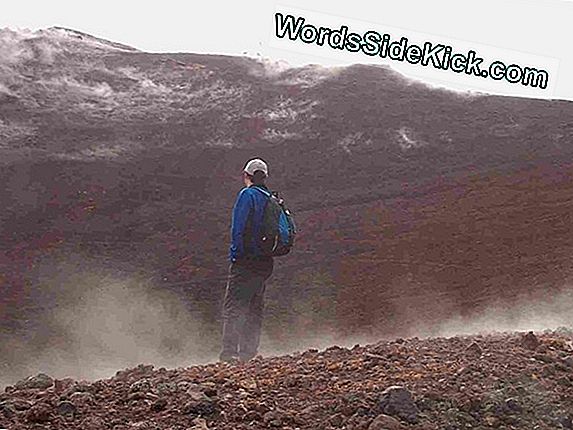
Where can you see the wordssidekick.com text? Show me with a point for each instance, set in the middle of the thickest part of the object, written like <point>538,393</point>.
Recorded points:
<point>440,56</point>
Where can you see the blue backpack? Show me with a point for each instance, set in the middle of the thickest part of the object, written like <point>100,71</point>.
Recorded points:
<point>278,229</point>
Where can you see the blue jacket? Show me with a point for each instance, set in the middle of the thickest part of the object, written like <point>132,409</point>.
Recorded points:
<point>249,205</point>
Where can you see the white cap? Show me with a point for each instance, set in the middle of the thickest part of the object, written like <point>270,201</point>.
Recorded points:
<point>256,164</point>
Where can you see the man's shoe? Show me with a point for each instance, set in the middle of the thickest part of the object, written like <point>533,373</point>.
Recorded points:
<point>246,358</point>
<point>231,359</point>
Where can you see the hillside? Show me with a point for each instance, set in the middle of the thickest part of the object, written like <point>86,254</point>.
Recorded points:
<point>500,380</point>
<point>421,211</point>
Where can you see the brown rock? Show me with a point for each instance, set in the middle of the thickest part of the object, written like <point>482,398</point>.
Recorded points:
<point>21,404</point>
<point>385,422</point>
<point>66,408</point>
<point>39,413</point>
<point>159,405</point>
<point>93,423</point>
<point>530,341</point>
<point>336,420</point>
<point>82,398</point>
<point>41,381</point>
<point>138,395</point>
<point>272,418</point>
<point>166,387</point>
<point>77,387</point>
<point>311,410</point>
<point>199,424</point>
<point>397,401</point>
<point>474,348</point>
<point>61,385</point>
<point>568,361</point>
<point>199,407</point>
<point>251,416</point>
<point>6,410</point>
<point>143,385</point>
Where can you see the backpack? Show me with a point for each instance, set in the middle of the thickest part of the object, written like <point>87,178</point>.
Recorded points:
<point>278,228</point>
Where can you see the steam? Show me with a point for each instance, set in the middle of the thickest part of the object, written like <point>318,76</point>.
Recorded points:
<point>94,324</point>
<point>535,310</point>
<point>414,310</point>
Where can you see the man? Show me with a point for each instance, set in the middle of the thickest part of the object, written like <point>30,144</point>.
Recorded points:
<point>248,270</point>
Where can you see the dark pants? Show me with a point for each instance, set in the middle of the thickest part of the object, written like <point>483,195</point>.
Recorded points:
<point>243,307</point>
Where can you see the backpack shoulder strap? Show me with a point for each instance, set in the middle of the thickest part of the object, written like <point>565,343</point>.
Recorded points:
<point>265,192</point>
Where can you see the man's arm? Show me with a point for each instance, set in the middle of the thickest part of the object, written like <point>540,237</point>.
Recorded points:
<point>241,211</point>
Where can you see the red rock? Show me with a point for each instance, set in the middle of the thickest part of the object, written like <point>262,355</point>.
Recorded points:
<point>385,422</point>
<point>474,348</point>
<point>39,413</point>
<point>336,390</point>
<point>530,341</point>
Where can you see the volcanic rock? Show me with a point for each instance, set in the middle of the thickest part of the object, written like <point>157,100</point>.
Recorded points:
<point>397,401</point>
<point>66,408</point>
<point>141,385</point>
<point>385,422</point>
<point>202,406</point>
<point>39,413</point>
<point>82,398</point>
<point>20,404</point>
<point>61,385</point>
<point>40,381</point>
<point>444,388</point>
<point>474,348</point>
<point>513,405</point>
<point>530,341</point>
<point>159,404</point>
<point>564,331</point>
<point>565,422</point>
<point>199,424</point>
<point>7,410</point>
<point>92,423</point>
<point>272,418</point>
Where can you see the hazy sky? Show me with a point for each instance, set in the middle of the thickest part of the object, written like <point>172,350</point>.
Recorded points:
<point>541,27</point>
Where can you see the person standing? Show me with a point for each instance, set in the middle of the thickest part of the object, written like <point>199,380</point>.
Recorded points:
<point>249,269</point>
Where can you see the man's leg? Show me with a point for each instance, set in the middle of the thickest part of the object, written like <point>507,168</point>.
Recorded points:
<point>235,308</point>
<point>250,335</point>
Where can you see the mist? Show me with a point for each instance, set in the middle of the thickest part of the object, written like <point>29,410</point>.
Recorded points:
<point>93,323</point>
<point>414,310</point>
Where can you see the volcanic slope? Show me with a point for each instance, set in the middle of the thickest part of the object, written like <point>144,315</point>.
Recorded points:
<point>498,380</point>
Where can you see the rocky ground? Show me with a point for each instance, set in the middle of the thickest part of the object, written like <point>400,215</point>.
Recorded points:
<point>501,380</point>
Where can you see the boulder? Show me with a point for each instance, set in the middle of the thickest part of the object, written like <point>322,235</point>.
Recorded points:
<point>397,401</point>
<point>385,422</point>
<point>159,405</point>
<point>474,349</point>
<point>40,381</point>
<point>39,413</point>
<point>530,341</point>
<point>204,406</point>
<point>66,408</point>
<point>21,404</point>
<point>82,398</point>
<point>143,385</point>
<point>7,410</point>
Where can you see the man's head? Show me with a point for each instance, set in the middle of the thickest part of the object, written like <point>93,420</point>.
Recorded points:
<point>255,172</point>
